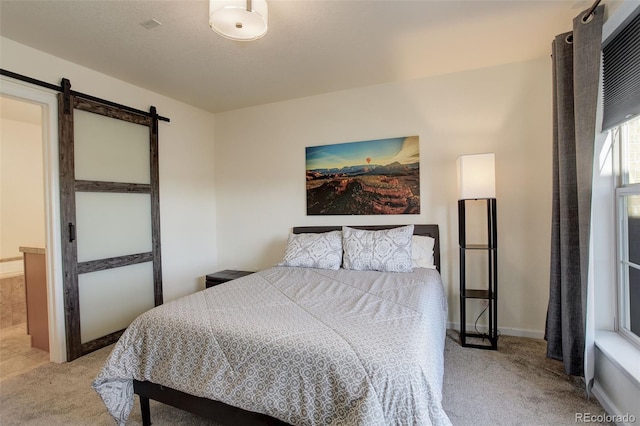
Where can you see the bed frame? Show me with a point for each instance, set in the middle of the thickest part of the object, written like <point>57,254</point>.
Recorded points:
<point>227,414</point>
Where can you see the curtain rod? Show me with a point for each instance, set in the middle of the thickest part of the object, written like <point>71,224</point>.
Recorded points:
<point>590,11</point>
<point>50,86</point>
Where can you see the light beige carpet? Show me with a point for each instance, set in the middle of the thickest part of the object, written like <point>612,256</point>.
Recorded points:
<point>516,385</point>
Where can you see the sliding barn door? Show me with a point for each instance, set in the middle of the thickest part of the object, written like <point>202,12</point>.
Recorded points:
<point>110,220</point>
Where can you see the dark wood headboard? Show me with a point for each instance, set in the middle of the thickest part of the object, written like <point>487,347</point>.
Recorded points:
<point>427,230</point>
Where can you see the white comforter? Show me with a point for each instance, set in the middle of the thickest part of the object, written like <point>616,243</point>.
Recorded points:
<point>307,346</point>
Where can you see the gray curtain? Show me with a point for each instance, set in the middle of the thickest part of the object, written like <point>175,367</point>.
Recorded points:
<point>576,68</point>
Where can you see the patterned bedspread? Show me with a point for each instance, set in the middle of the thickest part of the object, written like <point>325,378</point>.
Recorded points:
<point>306,346</point>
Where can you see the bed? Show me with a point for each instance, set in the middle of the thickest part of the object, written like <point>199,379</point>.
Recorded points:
<point>294,345</point>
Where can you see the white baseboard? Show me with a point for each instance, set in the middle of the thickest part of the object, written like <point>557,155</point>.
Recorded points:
<point>507,331</point>
<point>609,406</point>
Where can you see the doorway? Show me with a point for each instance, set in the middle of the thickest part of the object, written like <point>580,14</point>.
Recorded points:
<point>23,324</point>
<point>45,104</point>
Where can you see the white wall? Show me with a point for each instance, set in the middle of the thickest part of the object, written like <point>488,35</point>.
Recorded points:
<point>21,187</point>
<point>187,193</point>
<point>259,191</point>
<point>260,165</point>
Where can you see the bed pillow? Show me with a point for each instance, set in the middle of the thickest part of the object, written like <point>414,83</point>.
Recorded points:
<point>422,252</point>
<point>323,250</point>
<point>387,250</point>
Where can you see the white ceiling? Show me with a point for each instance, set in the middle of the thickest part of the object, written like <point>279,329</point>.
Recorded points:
<point>312,46</point>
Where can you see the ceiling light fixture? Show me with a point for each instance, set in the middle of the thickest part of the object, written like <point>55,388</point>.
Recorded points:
<point>242,20</point>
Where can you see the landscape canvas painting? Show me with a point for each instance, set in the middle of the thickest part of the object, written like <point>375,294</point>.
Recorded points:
<point>364,178</point>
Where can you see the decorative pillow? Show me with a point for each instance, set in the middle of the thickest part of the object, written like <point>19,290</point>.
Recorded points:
<point>322,250</point>
<point>387,250</point>
<point>422,251</point>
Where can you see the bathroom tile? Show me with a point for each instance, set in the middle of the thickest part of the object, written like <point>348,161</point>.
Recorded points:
<point>7,353</point>
<point>18,313</point>
<point>16,354</point>
<point>15,335</point>
<point>18,294</point>
<point>16,344</point>
<point>13,331</point>
<point>5,290</point>
<point>17,365</point>
<point>23,347</point>
<point>37,354</point>
<point>6,318</point>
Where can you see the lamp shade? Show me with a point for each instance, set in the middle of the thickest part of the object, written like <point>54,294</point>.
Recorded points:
<point>242,20</point>
<point>476,176</point>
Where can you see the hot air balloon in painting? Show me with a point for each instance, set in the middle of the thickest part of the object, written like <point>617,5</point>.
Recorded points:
<point>339,182</point>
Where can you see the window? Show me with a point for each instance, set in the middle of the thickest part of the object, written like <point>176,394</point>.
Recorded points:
<point>627,139</point>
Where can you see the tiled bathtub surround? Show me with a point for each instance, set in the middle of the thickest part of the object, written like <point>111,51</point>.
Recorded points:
<point>13,307</point>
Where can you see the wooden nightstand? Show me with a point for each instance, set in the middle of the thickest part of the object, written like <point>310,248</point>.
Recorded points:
<point>224,276</point>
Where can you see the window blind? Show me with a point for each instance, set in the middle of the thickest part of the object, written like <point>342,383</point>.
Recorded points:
<point>621,75</point>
